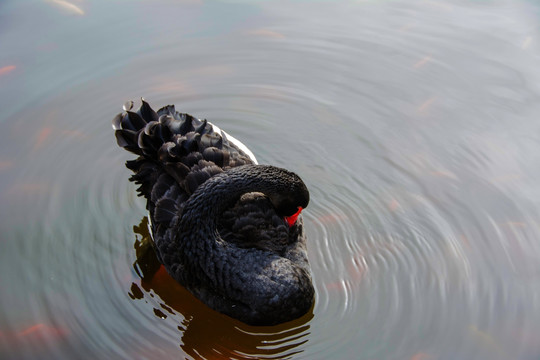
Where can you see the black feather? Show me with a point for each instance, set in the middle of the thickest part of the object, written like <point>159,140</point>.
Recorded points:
<point>165,210</point>
<point>134,121</point>
<point>147,113</point>
<point>180,158</point>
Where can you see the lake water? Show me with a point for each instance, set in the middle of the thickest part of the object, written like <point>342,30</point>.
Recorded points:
<point>415,125</point>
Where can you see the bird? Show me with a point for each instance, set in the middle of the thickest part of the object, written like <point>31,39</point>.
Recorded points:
<point>225,227</point>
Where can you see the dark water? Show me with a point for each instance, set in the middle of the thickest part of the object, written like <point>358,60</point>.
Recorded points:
<point>415,124</point>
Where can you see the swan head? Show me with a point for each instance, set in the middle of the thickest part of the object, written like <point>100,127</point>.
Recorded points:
<point>290,203</point>
<point>291,220</point>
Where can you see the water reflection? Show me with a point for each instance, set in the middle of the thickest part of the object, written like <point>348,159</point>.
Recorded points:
<point>414,124</point>
<point>205,333</point>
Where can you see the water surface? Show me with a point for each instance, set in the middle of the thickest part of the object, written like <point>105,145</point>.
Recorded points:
<point>413,123</point>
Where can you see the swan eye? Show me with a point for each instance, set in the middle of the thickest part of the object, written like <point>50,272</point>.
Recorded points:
<point>291,220</point>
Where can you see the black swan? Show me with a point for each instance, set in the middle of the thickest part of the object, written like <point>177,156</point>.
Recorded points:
<point>226,228</point>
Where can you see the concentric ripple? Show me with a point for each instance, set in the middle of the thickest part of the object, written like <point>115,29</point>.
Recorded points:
<point>413,123</point>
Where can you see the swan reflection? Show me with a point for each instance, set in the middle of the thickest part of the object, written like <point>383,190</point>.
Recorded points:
<point>205,333</point>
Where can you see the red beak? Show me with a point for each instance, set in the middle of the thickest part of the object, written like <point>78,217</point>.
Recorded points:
<point>291,220</point>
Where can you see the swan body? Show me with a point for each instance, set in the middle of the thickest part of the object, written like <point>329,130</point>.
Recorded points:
<point>226,228</point>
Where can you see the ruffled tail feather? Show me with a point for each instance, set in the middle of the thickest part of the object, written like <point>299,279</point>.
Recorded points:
<point>184,147</point>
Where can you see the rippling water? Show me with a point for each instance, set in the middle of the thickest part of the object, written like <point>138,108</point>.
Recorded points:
<point>413,123</point>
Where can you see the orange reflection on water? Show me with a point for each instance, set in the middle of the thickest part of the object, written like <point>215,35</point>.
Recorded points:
<point>465,241</point>
<point>7,69</point>
<point>423,61</point>
<point>426,104</point>
<point>28,189</point>
<point>487,341</point>
<point>74,133</point>
<point>42,137</point>
<point>331,218</point>
<point>5,164</point>
<point>42,329</point>
<point>422,356</point>
<point>356,270</point>
<point>407,27</point>
<point>394,205</point>
<point>47,132</point>
<point>40,334</point>
<point>205,333</point>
